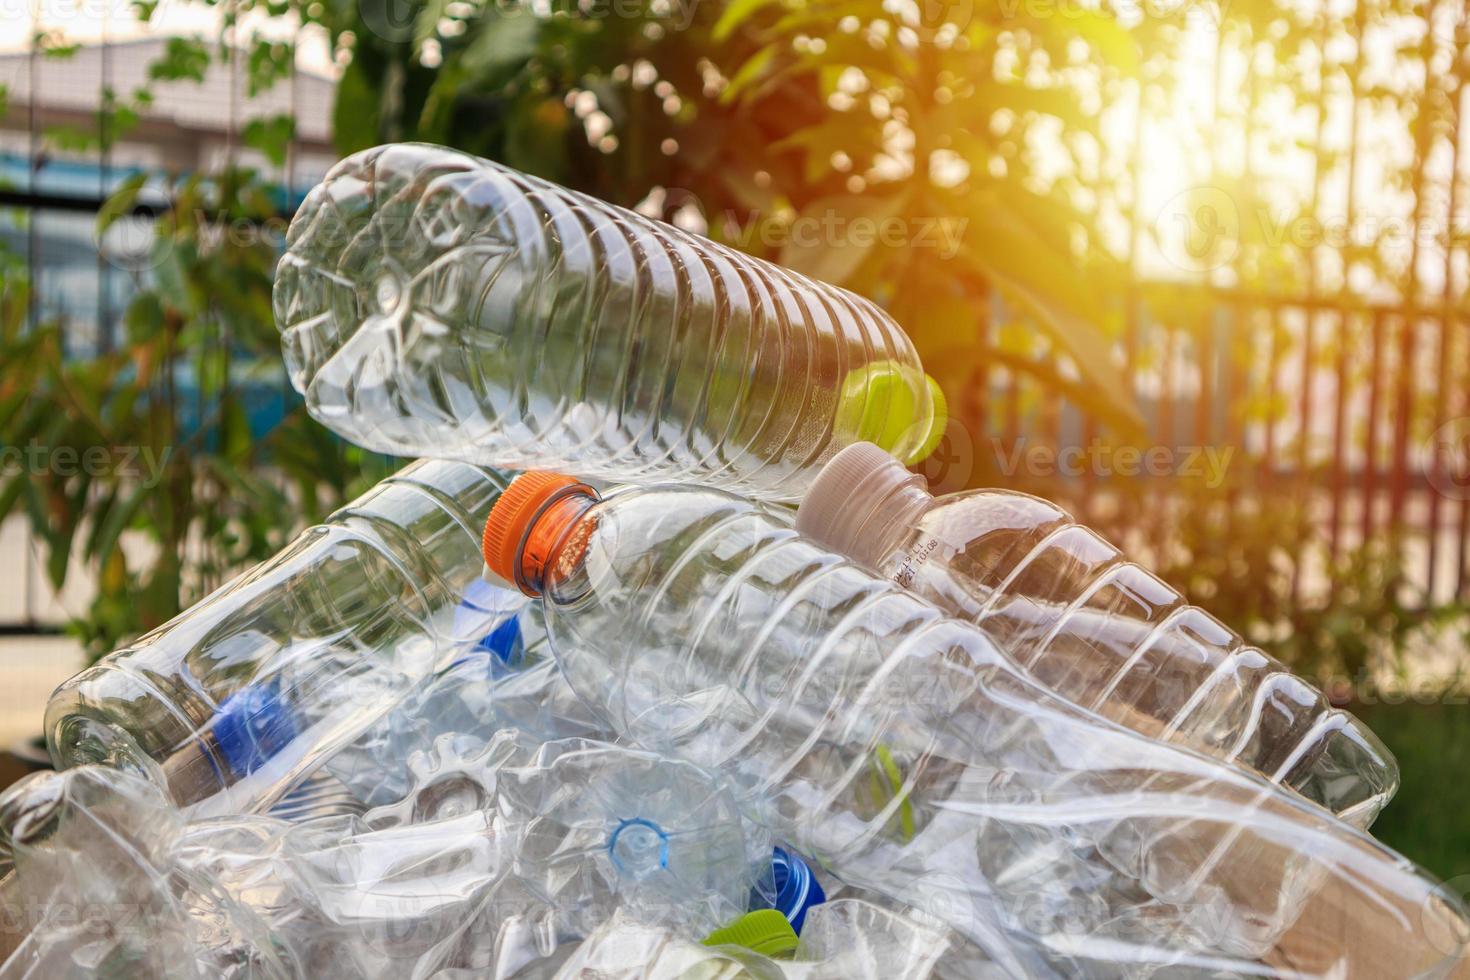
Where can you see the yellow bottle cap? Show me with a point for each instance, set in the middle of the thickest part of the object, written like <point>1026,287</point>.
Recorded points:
<point>880,403</point>
<point>765,931</point>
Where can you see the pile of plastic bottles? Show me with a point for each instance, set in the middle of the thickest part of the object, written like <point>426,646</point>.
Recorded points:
<point>630,714</point>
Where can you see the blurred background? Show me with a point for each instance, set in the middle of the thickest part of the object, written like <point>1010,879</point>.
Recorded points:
<point>1198,270</point>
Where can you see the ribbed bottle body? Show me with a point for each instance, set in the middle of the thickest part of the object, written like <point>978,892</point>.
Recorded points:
<point>903,750</point>
<point>1107,634</point>
<point>242,694</point>
<point>433,303</point>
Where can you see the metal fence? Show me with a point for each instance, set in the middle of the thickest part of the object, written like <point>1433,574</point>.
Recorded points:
<point>1328,349</point>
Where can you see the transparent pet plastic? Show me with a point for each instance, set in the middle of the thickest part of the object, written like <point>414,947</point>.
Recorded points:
<point>1100,630</point>
<point>900,749</point>
<point>244,694</point>
<point>433,303</point>
<point>843,940</point>
<point>507,858</point>
<point>508,680</point>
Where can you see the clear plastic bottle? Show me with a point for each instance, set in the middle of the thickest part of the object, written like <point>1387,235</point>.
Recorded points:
<point>507,680</point>
<point>847,940</point>
<point>511,854</point>
<point>433,303</point>
<point>1100,630</point>
<point>98,881</point>
<point>906,754</point>
<point>244,694</point>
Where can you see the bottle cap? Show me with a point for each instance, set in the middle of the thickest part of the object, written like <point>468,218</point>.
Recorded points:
<point>797,889</point>
<point>252,725</point>
<point>766,931</point>
<point>484,604</point>
<point>518,508</point>
<point>879,403</point>
<point>851,499</point>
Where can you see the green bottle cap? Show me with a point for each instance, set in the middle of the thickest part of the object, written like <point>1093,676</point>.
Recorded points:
<point>879,404</point>
<point>765,931</point>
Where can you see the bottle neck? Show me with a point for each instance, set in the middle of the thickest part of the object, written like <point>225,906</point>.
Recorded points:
<point>890,519</point>
<point>893,519</point>
<point>555,539</point>
<point>861,503</point>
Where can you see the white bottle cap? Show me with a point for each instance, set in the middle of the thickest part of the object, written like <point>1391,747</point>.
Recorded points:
<point>854,500</point>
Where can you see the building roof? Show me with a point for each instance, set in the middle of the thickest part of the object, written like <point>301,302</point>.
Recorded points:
<point>75,84</point>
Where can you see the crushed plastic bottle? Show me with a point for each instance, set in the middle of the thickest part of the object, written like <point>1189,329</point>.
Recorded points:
<point>1096,628</point>
<point>507,681</point>
<point>96,872</point>
<point>846,940</point>
<point>246,693</point>
<point>907,755</point>
<point>433,303</point>
<point>500,860</point>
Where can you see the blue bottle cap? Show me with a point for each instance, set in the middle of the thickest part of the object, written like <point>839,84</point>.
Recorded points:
<point>482,600</point>
<point>252,725</point>
<point>797,889</point>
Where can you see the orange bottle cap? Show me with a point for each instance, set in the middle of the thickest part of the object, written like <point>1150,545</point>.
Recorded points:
<point>518,508</point>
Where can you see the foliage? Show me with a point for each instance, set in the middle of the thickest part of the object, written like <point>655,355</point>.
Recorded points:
<point>149,473</point>
<point>940,158</point>
<point>767,123</point>
<point>1426,822</point>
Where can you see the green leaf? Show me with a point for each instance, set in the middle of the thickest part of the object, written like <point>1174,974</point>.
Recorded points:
<point>270,135</point>
<point>117,520</point>
<point>121,202</point>
<point>1002,242</point>
<point>183,59</point>
<point>356,114</point>
<point>735,14</point>
<point>268,63</point>
<point>833,236</point>
<point>750,73</point>
<point>502,42</point>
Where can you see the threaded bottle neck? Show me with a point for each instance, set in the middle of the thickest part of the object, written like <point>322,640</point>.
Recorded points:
<point>861,503</point>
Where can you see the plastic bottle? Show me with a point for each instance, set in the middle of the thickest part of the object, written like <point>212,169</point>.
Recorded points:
<point>847,940</point>
<point>102,893</point>
<point>433,303</point>
<point>511,854</point>
<point>1099,630</point>
<point>906,754</point>
<point>508,680</point>
<point>244,694</point>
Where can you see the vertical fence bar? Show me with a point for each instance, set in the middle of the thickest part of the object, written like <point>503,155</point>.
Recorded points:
<point>1462,563</point>
<point>1303,482</point>
<point>1409,292</point>
<point>33,260</point>
<point>1339,445</point>
<point>1447,323</point>
<point>104,175</point>
<point>1369,484</point>
<point>1354,77</point>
